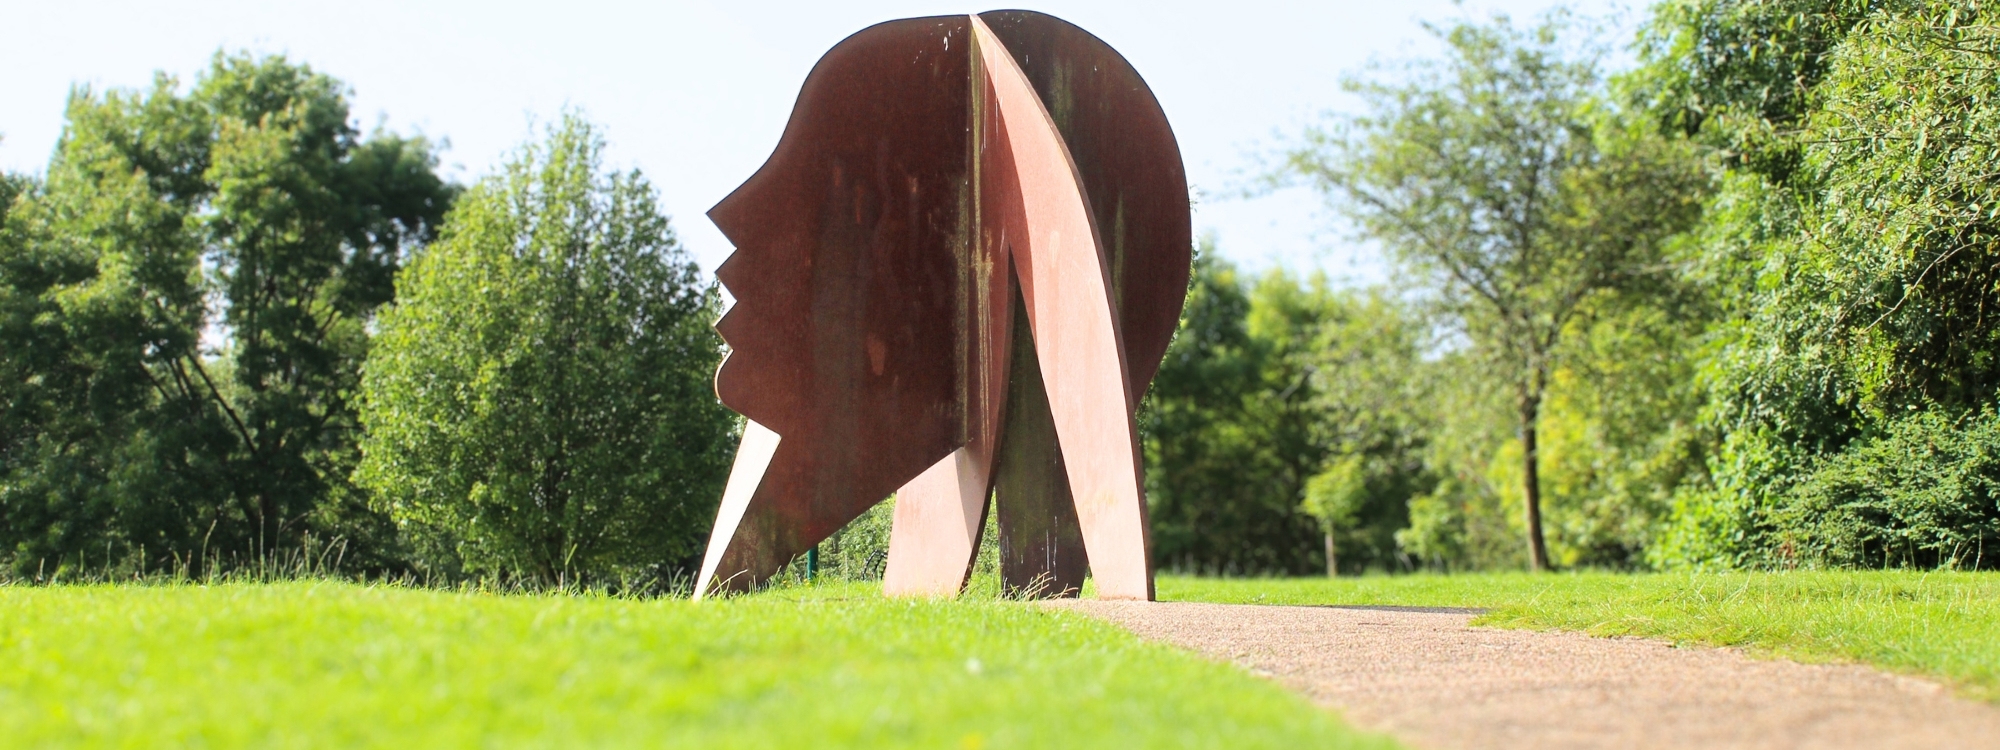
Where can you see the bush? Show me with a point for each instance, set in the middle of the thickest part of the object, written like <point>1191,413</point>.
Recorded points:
<point>538,402</point>
<point>859,551</point>
<point>1925,492</point>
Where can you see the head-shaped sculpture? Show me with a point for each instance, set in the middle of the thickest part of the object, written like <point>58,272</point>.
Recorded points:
<point>875,280</point>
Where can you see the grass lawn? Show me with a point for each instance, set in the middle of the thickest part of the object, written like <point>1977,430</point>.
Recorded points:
<point>336,664</point>
<point>1941,625</point>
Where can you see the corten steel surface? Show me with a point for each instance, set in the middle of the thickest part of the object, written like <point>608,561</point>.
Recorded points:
<point>939,515</point>
<point>924,167</point>
<point>852,334</point>
<point>1065,284</point>
<point>1041,545</point>
<point>1124,153</point>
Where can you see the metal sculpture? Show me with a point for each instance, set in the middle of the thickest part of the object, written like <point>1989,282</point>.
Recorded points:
<point>954,278</point>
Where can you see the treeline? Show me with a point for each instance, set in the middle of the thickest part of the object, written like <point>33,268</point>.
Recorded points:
<point>235,331</point>
<point>1735,307</point>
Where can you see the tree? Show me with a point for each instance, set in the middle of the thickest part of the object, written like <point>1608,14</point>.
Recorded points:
<point>310,227</point>
<point>1739,74</point>
<point>1333,498</point>
<point>13,186</point>
<point>1228,437</point>
<point>184,307</point>
<point>1264,384</point>
<point>1859,284</point>
<point>1517,200</point>
<point>1369,391</point>
<point>538,402</point>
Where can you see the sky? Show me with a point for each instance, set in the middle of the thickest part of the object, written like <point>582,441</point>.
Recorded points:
<point>695,94</point>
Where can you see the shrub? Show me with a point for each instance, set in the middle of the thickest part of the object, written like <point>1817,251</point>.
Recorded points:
<point>1924,492</point>
<point>538,402</point>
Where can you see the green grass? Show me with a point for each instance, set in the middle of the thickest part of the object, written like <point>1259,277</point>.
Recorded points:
<point>316,664</point>
<point>1941,625</point>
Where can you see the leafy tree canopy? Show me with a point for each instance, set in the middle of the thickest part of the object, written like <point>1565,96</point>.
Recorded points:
<point>184,304</point>
<point>1268,386</point>
<point>1518,201</point>
<point>1860,286</point>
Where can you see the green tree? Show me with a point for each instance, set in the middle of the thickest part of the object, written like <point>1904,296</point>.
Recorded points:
<point>1333,498</point>
<point>1220,496</point>
<point>538,401</point>
<point>1859,285</point>
<point>246,210</point>
<point>13,186</point>
<point>1265,383</point>
<point>1369,391</point>
<point>1515,197</point>
<point>1739,74</point>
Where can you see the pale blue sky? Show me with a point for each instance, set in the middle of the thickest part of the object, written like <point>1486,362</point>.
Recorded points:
<point>696,93</point>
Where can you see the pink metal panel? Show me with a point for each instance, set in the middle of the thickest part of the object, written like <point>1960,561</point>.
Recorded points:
<point>753,456</point>
<point>938,519</point>
<point>1130,169</point>
<point>1067,289</point>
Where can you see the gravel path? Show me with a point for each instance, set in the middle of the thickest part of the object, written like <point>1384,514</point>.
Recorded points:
<point>1425,677</point>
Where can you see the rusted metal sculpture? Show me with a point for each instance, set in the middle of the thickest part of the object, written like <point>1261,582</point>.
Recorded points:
<point>954,279</point>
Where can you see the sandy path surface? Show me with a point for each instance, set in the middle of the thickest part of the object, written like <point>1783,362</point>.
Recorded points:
<point>1425,677</point>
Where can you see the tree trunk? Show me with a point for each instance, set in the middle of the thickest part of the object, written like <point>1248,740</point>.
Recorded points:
<point>1332,562</point>
<point>1531,480</point>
